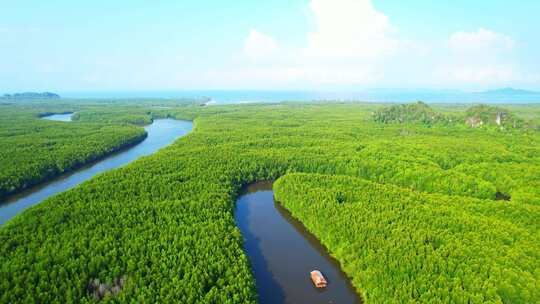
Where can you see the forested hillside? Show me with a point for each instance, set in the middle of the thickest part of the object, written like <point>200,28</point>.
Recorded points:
<point>164,225</point>
<point>401,246</point>
<point>481,115</point>
<point>476,116</point>
<point>418,112</point>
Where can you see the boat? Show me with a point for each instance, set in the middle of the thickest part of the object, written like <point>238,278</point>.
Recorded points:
<point>318,279</point>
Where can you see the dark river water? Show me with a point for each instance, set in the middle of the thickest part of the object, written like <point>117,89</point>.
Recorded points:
<point>160,134</point>
<point>283,253</point>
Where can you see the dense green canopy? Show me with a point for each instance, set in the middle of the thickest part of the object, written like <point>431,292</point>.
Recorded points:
<point>401,246</point>
<point>418,112</point>
<point>33,150</point>
<point>481,115</point>
<point>420,198</point>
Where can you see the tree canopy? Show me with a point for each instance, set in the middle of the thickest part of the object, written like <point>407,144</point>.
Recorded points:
<point>419,199</point>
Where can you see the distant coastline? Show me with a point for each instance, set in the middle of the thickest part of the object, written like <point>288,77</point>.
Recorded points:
<point>31,95</point>
<point>497,96</point>
<point>502,96</point>
<point>510,92</point>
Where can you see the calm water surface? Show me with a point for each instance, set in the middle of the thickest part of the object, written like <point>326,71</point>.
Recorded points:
<point>370,95</point>
<point>283,253</point>
<point>59,117</point>
<point>160,134</point>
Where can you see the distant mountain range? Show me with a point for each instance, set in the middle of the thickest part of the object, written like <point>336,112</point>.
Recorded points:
<point>509,92</point>
<point>498,96</point>
<point>31,95</point>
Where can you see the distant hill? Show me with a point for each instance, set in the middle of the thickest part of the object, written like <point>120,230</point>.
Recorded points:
<point>509,92</point>
<point>477,116</point>
<point>484,115</point>
<point>31,95</point>
<point>418,112</point>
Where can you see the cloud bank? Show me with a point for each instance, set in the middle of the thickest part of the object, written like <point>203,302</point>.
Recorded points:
<point>349,28</point>
<point>259,46</point>
<point>354,44</point>
<point>481,41</point>
<point>311,44</point>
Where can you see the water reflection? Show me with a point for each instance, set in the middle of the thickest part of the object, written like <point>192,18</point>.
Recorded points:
<point>282,253</point>
<point>59,117</point>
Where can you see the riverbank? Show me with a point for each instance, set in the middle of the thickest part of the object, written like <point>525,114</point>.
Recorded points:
<point>156,136</point>
<point>282,253</point>
<point>166,222</point>
<point>35,150</point>
<point>53,174</point>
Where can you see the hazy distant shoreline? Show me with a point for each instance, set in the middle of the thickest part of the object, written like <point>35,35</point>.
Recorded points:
<point>379,95</point>
<point>501,96</point>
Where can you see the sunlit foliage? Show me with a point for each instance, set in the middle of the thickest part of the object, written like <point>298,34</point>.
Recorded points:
<point>166,223</point>
<point>402,246</point>
<point>418,112</point>
<point>33,150</point>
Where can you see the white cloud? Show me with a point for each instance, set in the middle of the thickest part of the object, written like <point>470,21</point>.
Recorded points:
<point>349,28</point>
<point>291,77</point>
<point>349,38</point>
<point>479,75</point>
<point>259,46</point>
<point>352,43</point>
<point>482,41</point>
<point>481,57</point>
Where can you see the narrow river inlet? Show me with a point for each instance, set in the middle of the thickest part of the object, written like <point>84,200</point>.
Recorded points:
<point>161,133</point>
<point>59,117</point>
<point>283,253</point>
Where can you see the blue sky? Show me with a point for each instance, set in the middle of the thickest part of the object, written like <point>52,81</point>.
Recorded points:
<point>281,44</point>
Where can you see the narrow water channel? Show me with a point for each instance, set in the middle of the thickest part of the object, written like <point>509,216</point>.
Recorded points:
<point>161,133</point>
<point>59,117</point>
<point>283,253</point>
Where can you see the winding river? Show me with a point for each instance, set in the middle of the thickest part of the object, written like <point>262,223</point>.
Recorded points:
<point>161,133</point>
<point>282,253</point>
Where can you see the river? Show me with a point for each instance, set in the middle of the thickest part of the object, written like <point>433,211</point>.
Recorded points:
<point>59,117</point>
<point>283,253</point>
<point>161,133</point>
